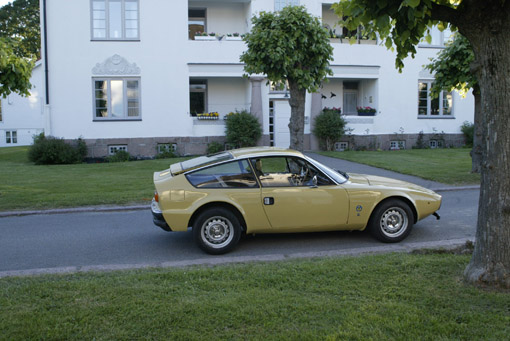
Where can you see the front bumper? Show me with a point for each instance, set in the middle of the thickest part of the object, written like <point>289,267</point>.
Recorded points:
<point>157,216</point>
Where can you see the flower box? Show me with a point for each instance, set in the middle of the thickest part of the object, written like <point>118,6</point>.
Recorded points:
<point>210,118</point>
<point>360,113</point>
<point>210,38</point>
<point>233,38</point>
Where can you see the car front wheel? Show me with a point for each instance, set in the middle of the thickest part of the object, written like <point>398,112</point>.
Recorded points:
<point>391,222</point>
<point>217,230</point>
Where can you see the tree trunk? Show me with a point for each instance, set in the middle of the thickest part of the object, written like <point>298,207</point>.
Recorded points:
<point>476,152</point>
<point>488,34</point>
<point>297,115</point>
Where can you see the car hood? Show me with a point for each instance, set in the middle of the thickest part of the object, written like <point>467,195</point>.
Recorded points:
<point>374,180</point>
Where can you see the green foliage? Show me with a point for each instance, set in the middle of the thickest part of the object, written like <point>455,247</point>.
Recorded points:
<point>119,156</point>
<point>468,129</point>
<point>452,67</point>
<point>420,142</point>
<point>166,154</point>
<point>329,127</point>
<point>19,21</point>
<point>401,24</point>
<point>242,129</point>
<point>53,151</point>
<point>15,71</point>
<point>214,147</point>
<point>288,45</point>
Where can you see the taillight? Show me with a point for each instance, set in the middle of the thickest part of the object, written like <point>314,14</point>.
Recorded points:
<point>156,196</point>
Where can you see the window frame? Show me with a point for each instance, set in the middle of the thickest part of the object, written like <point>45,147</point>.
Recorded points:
<point>205,92</point>
<point>199,18</point>
<point>107,21</point>
<point>280,4</point>
<point>441,101</point>
<point>125,117</point>
<point>11,137</point>
<point>246,161</point>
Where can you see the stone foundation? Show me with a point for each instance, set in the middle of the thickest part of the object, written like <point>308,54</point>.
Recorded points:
<point>147,147</point>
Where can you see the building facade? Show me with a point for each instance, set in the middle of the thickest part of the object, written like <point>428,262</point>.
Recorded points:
<point>23,117</point>
<point>138,75</point>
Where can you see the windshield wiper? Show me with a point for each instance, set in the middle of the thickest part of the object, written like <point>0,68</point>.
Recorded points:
<point>344,174</point>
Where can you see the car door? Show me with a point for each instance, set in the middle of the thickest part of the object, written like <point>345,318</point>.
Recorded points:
<point>292,202</point>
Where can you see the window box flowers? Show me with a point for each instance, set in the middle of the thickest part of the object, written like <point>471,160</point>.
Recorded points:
<point>233,36</point>
<point>208,116</point>
<point>205,36</point>
<point>366,111</point>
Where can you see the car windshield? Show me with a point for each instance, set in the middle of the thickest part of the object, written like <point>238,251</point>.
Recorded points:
<point>205,160</point>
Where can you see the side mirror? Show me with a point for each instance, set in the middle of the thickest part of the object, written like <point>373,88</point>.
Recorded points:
<point>314,182</point>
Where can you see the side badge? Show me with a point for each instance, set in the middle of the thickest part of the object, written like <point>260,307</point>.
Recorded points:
<point>359,208</point>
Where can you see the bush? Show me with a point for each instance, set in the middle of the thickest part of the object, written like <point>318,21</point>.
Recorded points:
<point>214,147</point>
<point>468,129</point>
<point>329,127</point>
<point>52,151</point>
<point>242,129</point>
<point>119,156</point>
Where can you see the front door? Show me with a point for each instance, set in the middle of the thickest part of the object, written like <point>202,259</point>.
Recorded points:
<point>281,123</point>
<point>350,102</point>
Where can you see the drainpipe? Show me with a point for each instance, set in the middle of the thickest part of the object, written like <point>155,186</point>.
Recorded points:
<point>47,110</point>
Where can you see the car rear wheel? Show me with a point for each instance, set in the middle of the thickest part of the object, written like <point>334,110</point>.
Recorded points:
<point>391,221</point>
<point>217,230</point>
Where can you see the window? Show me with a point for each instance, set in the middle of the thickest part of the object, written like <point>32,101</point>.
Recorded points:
<point>341,146</point>
<point>11,137</point>
<point>237,174</point>
<point>116,99</point>
<point>167,148</point>
<point>287,172</point>
<point>197,96</point>
<point>196,22</point>
<point>428,106</point>
<point>397,145</point>
<point>280,4</point>
<point>115,19</point>
<point>436,144</point>
<point>112,150</point>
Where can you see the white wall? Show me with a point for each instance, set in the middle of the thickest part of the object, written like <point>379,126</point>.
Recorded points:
<point>24,114</point>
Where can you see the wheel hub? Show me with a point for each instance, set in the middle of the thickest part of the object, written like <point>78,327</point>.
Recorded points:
<point>394,222</point>
<point>216,231</point>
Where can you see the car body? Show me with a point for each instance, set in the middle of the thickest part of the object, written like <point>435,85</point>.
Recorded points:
<point>271,190</point>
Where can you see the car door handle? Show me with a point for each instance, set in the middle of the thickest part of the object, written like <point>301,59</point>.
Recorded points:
<point>268,201</point>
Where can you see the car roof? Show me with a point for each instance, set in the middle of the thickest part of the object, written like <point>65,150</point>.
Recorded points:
<point>262,151</point>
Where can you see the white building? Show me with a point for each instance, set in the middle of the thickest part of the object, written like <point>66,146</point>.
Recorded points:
<point>22,117</point>
<point>131,74</point>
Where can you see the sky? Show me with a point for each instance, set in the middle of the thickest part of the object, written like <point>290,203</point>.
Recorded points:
<point>4,2</point>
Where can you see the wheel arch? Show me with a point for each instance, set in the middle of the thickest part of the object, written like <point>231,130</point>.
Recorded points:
<point>223,204</point>
<point>406,200</point>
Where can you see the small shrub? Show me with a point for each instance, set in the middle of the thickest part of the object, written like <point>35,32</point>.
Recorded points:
<point>166,154</point>
<point>420,141</point>
<point>214,147</point>
<point>468,129</point>
<point>53,151</point>
<point>119,156</point>
<point>242,129</point>
<point>329,128</point>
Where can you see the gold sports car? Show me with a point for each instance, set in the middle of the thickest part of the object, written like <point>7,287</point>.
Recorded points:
<point>270,190</point>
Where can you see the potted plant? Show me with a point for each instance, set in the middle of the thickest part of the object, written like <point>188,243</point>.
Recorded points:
<point>205,36</point>
<point>366,111</point>
<point>208,116</point>
<point>233,36</point>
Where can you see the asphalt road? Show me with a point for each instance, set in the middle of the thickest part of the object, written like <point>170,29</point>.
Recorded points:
<point>110,240</point>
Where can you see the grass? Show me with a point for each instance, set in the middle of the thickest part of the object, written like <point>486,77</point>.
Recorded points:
<point>24,185</point>
<point>449,166</point>
<point>381,297</point>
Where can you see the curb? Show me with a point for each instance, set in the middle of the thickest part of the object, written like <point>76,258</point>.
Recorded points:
<point>225,260</point>
<point>87,209</point>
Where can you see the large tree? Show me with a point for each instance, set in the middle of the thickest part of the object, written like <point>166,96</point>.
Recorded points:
<point>19,21</point>
<point>289,46</point>
<point>15,71</point>
<point>452,69</point>
<point>486,24</point>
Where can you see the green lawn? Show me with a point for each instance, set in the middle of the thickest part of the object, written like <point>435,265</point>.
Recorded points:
<point>382,297</point>
<point>24,185</point>
<point>449,166</point>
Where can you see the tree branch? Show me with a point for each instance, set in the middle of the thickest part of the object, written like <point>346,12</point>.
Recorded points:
<point>445,13</point>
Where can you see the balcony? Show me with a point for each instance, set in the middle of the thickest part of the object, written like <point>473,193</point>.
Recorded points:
<point>224,20</point>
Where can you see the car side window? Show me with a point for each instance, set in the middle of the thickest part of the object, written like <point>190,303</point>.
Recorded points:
<point>287,172</point>
<point>236,174</point>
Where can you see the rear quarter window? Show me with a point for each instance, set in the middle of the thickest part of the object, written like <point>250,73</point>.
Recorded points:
<point>236,174</point>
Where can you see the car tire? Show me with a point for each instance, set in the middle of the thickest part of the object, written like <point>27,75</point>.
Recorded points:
<point>391,221</point>
<point>217,230</point>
